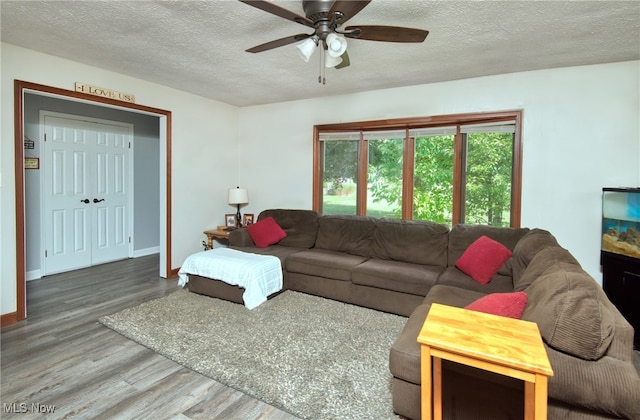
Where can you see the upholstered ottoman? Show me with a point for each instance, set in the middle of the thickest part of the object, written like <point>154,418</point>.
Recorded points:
<point>232,275</point>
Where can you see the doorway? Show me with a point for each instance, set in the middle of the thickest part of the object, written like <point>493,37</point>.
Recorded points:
<point>164,118</point>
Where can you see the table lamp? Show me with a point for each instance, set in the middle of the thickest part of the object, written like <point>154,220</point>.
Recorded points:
<point>238,196</point>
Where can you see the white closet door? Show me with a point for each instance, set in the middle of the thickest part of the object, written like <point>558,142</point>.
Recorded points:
<point>86,193</point>
<point>110,199</point>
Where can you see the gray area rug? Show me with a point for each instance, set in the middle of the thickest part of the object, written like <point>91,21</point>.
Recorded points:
<point>313,357</point>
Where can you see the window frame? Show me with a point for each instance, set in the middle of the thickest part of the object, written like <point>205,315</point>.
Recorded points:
<point>408,157</point>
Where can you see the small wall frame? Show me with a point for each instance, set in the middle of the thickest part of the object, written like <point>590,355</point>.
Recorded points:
<point>31,163</point>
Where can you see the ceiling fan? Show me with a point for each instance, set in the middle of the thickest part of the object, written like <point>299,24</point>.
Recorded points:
<point>326,17</point>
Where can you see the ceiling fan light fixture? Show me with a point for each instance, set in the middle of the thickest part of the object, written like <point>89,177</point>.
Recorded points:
<point>331,61</point>
<point>306,48</point>
<point>336,45</point>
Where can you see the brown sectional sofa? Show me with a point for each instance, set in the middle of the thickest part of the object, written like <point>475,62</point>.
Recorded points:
<point>402,267</point>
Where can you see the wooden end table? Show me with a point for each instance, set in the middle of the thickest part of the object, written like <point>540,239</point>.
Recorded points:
<point>506,346</point>
<point>218,233</point>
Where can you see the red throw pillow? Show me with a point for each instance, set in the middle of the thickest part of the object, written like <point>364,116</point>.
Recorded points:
<point>266,232</point>
<point>504,304</point>
<point>483,258</point>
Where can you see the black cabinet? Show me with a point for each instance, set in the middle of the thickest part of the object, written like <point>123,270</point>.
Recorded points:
<point>621,283</point>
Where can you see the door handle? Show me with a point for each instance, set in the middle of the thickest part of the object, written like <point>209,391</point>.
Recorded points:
<point>85,201</point>
<point>95,200</point>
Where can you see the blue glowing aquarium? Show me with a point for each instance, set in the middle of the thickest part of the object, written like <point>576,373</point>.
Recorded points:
<point>621,221</point>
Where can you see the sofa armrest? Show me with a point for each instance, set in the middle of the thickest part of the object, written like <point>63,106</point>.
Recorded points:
<point>606,385</point>
<point>240,238</point>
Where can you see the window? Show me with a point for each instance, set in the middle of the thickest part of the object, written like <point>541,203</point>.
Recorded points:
<point>384,173</point>
<point>448,169</point>
<point>433,171</point>
<point>340,173</point>
<point>486,187</point>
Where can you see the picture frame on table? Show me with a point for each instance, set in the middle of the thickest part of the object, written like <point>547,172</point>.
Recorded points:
<point>247,219</point>
<point>230,221</point>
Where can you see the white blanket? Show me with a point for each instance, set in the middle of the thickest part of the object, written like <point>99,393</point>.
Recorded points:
<point>259,275</point>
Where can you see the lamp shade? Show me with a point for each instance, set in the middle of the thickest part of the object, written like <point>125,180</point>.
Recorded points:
<point>336,45</point>
<point>331,61</point>
<point>306,48</point>
<point>238,196</point>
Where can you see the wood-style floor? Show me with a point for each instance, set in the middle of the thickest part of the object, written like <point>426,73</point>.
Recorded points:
<point>61,358</point>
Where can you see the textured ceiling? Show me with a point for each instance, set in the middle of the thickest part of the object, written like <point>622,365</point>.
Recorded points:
<point>198,46</point>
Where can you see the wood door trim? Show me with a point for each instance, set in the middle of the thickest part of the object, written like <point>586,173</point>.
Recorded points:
<point>20,87</point>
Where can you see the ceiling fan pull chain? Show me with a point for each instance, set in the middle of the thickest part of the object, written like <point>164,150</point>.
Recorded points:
<point>323,67</point>
<point>320,61</point>
<point>321,73</point>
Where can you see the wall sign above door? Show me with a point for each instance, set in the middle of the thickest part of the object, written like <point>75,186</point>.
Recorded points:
<point>105,93</point>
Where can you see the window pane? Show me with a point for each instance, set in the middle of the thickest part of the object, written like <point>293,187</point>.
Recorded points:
<point>488,179</point>
<point>384,178</point>
<point>340,174</point>
<point>433,179</point>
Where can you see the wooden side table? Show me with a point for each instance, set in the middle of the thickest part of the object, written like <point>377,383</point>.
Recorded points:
<point>218,233</point>
<point>507,346</point>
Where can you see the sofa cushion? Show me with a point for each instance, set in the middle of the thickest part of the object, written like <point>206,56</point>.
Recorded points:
<point>451,276</point>
<point>482,259</point>
<point>541,262</point>
<point>527,248</point>
<point>277,250</point>
<point>452,296</point>
<point>461,236</point>
<point>240,238</point>
<point>504,304</point>
<point>415,279</point>
<point>323,263</point>
<point>301,226</point>
<point>404,358</point>
<point>266,232</point>
<point>571,311</point>
<point>413,241</point>
<point>350,234</point>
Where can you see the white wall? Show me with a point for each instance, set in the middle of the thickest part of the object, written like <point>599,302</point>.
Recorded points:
<point>581,132</point>
<point>204,151</point>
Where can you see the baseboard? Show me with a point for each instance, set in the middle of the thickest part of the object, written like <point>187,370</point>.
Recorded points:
<point>146,251</point>
<point>8,319</point>
<point>33,275</point>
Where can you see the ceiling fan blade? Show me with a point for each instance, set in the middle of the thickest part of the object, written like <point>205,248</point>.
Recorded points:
<point>345,61</point>
<point>274,9</point>
<point>348,8</point>
<point>387,33</point>
<point>278,43</point>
